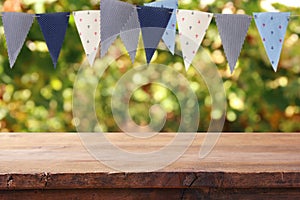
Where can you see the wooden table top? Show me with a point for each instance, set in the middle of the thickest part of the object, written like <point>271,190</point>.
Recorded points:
<point>59,160</point>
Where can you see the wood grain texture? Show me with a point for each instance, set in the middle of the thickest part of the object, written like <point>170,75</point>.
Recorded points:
<point>157,194</point>
<point>49,163</point>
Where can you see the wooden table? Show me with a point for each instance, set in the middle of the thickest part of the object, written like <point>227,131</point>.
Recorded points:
<point>241,166</point>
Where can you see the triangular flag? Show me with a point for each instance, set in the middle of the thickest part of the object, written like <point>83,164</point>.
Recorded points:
<point>233,31</point>
<point>272,29</point>
<point>16,27</point>
<point>54,26</point>
<point>88,26</point>
<point>192,27</point>
<point>170,33</point>
<point>114,16</point>
<point>130,34</point>
<point>153,22</point>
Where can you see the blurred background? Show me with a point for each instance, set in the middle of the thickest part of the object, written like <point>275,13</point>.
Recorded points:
<point>35,97</point>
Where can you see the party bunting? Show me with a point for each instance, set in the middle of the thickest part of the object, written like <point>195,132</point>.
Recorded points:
<point>130,34</point>
<point>16,27</point>
<point>153,22</point>
<point>192,27</point>
<point>272,29</point>
<point>54,26</point>
<point>170,33</point>
<point>157,20</point>
<point>114,16</point>
<point>88,26</point>
<point>233,31</point>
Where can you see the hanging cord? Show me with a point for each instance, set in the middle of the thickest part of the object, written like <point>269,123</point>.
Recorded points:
<point>35,15</point>
<point>291,16</point>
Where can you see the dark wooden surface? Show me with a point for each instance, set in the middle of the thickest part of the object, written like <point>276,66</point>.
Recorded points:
<point>241,166</point>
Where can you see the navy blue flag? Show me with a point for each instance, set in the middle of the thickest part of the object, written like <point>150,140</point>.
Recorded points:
<point>54,26</point>
<point>153,22</point>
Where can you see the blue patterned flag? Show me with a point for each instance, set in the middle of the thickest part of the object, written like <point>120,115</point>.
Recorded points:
<point>170,33</point>
<point>153,22</point>
<point>117,17</point>
<point>54,26</point>
<point>272,29</point>
<point>16,27</point>
<point>130,34</point>
<point>233,31</point>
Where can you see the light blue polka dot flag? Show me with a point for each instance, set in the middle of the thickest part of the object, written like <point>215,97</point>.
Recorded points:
<point>272,28</point>
<point>170,33</point>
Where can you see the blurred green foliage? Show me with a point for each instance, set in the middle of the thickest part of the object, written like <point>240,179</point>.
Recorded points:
<point>35,97</point>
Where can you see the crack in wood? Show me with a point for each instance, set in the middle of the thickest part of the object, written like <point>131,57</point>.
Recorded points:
<point>9,181</point>
<point>45,177</point>
<point>195,177</point>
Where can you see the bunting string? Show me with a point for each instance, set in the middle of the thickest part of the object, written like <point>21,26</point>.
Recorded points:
<point>155,21</point>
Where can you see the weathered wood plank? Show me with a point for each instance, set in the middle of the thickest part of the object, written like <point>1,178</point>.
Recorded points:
<point>150,180</point>
<point>157,194</point>
<point>92,194</point>
<point>59,161</point>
